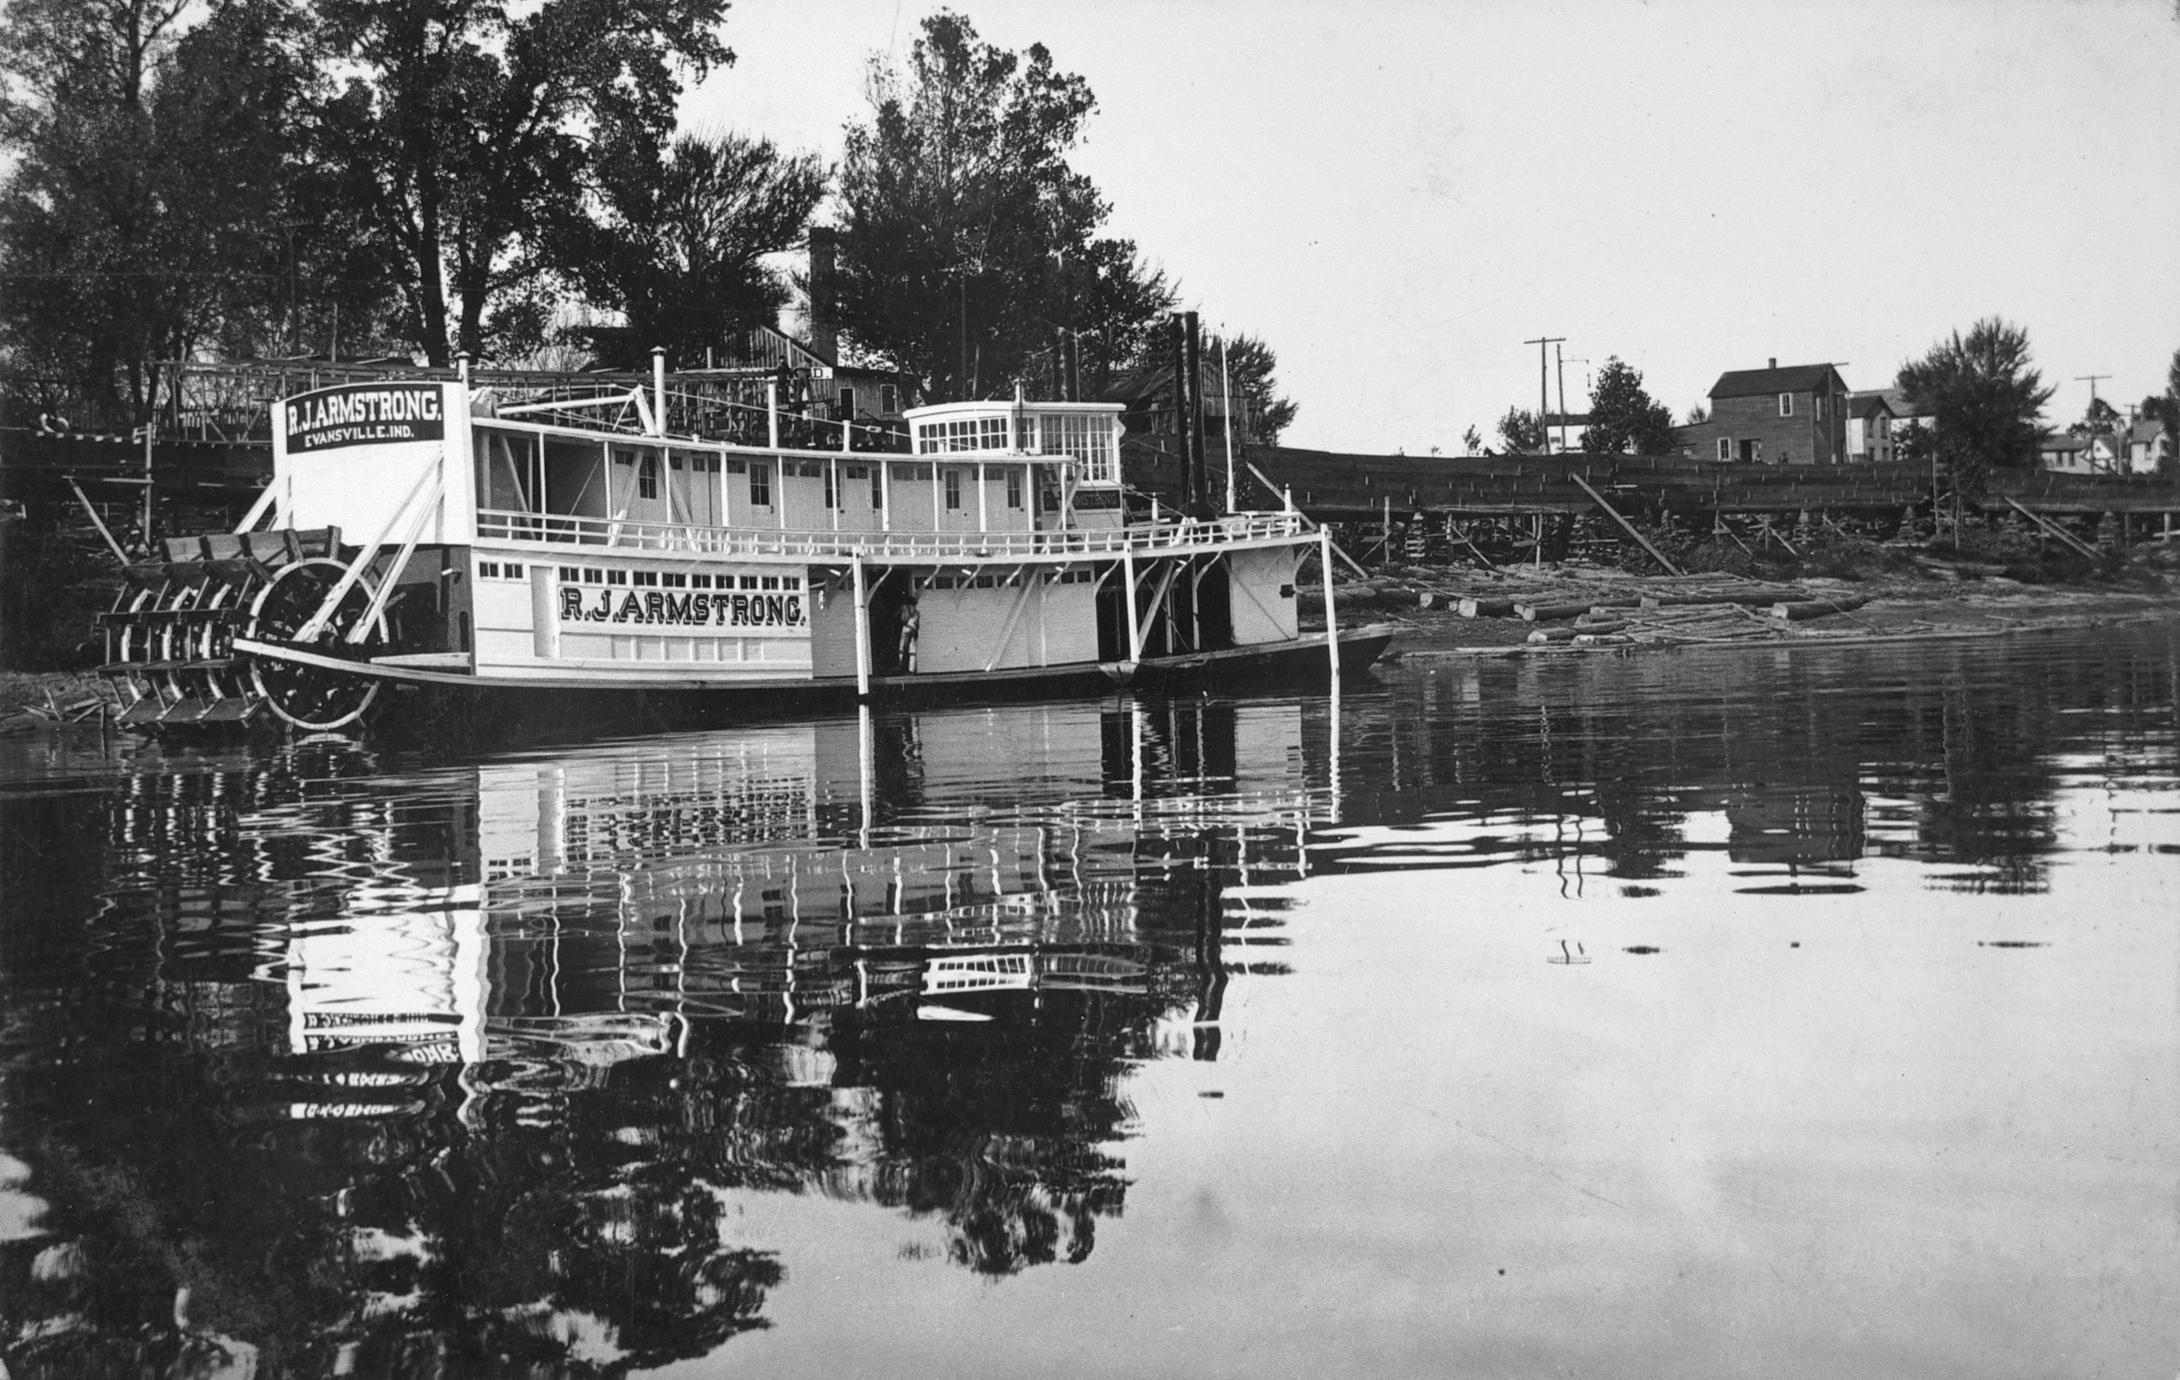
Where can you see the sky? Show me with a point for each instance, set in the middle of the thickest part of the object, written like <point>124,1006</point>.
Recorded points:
<point>1396,196</point>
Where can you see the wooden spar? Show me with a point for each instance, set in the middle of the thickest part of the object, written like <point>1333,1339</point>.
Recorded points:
<point>1325,549</point>
<point>1289,493</point>
<point>119,554</point>
<point>1625,525</point>
<point>2053,529</point>
<point>862,629</point>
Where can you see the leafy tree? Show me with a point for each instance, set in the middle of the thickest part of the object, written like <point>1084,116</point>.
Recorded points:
<point>968,246</point>
<point>1984,399</point>
<point>678,239</point>
<point>2100,418</point>
<point>143,216</point>
<point>1698,415</point>
<point>1522,432</point>
<point>1472,442</point>
<point>1623,415</point>
<point>1249,365</point>
<point>468,134</point>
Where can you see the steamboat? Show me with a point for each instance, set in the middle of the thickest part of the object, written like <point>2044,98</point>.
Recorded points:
<point>479,540</point>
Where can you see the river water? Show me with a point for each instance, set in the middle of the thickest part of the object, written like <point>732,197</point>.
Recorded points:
<point>1715,1013</point>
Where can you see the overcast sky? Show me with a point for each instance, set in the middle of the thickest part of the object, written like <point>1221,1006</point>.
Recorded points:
<point>1396,195</point>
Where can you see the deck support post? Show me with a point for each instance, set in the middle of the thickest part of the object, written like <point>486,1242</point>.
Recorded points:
<point>862,628</point>
<point>1135,618</point>
<point>1332,618</point>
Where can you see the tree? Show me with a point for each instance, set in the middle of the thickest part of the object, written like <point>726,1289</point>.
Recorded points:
<point>2100,418</point>
<point>1249,366</point>
<point>1698,415</point>
<point>1472,442</point>
<point>1522,432</point>
<point>968,247</point>
<point>678,239</point>
<point>154,169</point>
<point>1623,415</point>
<point>468,134</point>
<point>1985,401</point>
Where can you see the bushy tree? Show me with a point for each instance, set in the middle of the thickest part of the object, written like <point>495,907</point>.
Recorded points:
<point>1249,366</point>
<point>148,211</point>
<point>968,246</point>
<point>678,239</point>
<point>1623,415</point>
<point>471,130</point>
<point>1522,432</point>
<point>1984,398</point>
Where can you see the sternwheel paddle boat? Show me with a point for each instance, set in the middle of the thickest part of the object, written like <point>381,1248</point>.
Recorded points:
<point>492,541</point>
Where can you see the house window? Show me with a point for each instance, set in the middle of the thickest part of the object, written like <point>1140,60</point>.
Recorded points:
<point>1820,407</point>
<point>1014,488</point>
<point>953,488</point>
<point>1725,448</point>
<point>760,484</point>
<point>1786,404</point>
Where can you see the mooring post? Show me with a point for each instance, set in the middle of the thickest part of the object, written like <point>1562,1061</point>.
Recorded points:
<point>1332,621</point>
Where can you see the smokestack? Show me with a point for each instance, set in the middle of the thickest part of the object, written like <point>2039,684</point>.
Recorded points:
<point>1188,413</point>
<point>1772,363</point>
<point>824,332</point>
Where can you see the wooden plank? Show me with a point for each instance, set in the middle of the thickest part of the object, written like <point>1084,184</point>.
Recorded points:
<point>2051,529</point>
<point>1626,525</point>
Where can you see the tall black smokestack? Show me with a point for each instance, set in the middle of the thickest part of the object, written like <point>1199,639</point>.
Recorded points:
<point>1188,414</point>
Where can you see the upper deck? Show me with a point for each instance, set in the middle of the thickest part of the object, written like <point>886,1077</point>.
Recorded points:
<point>437,461</point>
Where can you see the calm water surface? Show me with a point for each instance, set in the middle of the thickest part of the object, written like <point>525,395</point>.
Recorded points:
<point>1705,1014</point>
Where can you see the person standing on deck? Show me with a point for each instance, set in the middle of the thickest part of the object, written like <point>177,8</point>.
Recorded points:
<point>911,624</point>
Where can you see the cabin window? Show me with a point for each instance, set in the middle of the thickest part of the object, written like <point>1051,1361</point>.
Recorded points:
<point>832,487</point>
<point>1786,404</point>
<point>1820,407</point>
<point>1725,448</point>
<point>1014,488</point>
<point>877,487</point>
<point>760,484</point>
<point>647,477</point>
<point>647,577</point>
<point>847,402</point>
<point>888,399</point>
<point>953,488</point>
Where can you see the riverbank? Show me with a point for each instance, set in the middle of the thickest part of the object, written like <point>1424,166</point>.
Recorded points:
<point>1577,608</point>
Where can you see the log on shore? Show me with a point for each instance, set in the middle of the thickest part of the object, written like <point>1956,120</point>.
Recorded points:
<point>1800,610</point>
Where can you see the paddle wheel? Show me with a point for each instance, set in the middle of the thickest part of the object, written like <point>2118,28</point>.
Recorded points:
<point>170,636</point>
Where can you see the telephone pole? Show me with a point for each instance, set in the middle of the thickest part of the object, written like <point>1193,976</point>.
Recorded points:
<point>2092,380</point>
<point>1544,387</point>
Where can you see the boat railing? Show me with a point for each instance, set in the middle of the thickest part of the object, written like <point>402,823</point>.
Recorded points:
<point>628,534</point>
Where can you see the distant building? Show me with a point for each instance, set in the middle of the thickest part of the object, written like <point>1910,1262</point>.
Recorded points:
<point>1869,427</point>
<point>2062,453</point>
<point>2149,446</point>
<point>1774,416</point>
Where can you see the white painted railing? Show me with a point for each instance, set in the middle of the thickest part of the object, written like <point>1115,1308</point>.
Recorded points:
<point>630,535</point>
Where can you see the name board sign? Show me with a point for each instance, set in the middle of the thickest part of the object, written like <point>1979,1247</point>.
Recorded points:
<point>362,415</point>
<point>684,609</point>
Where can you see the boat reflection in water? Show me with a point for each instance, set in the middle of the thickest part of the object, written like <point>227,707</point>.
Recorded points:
<point>469,1068</point>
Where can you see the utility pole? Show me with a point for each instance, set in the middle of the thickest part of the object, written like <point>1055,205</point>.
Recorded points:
<point>1544,385</point>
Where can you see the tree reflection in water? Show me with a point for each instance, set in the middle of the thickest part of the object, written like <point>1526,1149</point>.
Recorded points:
<point>460,1071</point>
